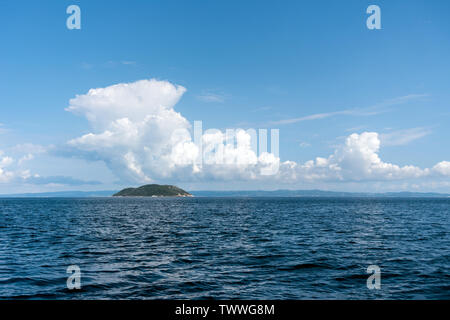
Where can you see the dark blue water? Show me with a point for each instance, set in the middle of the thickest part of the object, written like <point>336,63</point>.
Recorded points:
<point>196,248</point>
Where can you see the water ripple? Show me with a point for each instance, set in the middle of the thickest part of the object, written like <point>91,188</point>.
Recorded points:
<point>224,248</point>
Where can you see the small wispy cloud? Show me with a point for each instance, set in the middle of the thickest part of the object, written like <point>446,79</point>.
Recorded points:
<point>368,111</point>
<point>3,129</point>
<point>400,100</point>
<point>30,148</point>
<point>315,116</point>
<point>26,157</point>
<point>265,108</point>
<point>403,137</point>
<point>61,180</point>
<point>112,64</point>
<point>86,65</point>
<point>128,63</point>
<point>108,64</point>
<point>356,129</point>
<point>304,144</point>
<point>209,96</point>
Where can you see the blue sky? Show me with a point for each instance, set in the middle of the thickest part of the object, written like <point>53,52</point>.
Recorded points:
<point>311,69</point>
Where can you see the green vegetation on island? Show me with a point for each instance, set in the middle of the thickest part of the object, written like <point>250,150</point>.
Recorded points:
<point>153,190</point>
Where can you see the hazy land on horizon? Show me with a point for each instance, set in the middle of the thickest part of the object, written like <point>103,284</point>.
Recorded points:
<point>239,193</point>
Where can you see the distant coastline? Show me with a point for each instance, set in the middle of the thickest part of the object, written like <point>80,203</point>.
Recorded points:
<point>247,193</point>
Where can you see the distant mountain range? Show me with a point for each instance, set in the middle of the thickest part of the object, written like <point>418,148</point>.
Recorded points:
<point>61,194</point>
<point>256,193</point>
<point>313,193</point>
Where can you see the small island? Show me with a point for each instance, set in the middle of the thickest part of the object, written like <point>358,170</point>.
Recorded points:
<point>153,190</point>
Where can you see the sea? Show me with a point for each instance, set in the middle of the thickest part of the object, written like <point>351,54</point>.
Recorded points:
<point>225,248</point>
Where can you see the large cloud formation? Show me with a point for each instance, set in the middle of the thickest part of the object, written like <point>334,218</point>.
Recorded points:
<point>135,123</point>
<point>140,136</point>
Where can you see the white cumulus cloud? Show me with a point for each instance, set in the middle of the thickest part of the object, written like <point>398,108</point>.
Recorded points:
<point>356,160</point>
<point>5,162</point>
<point>139,135</point>
<point>442,168</point>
